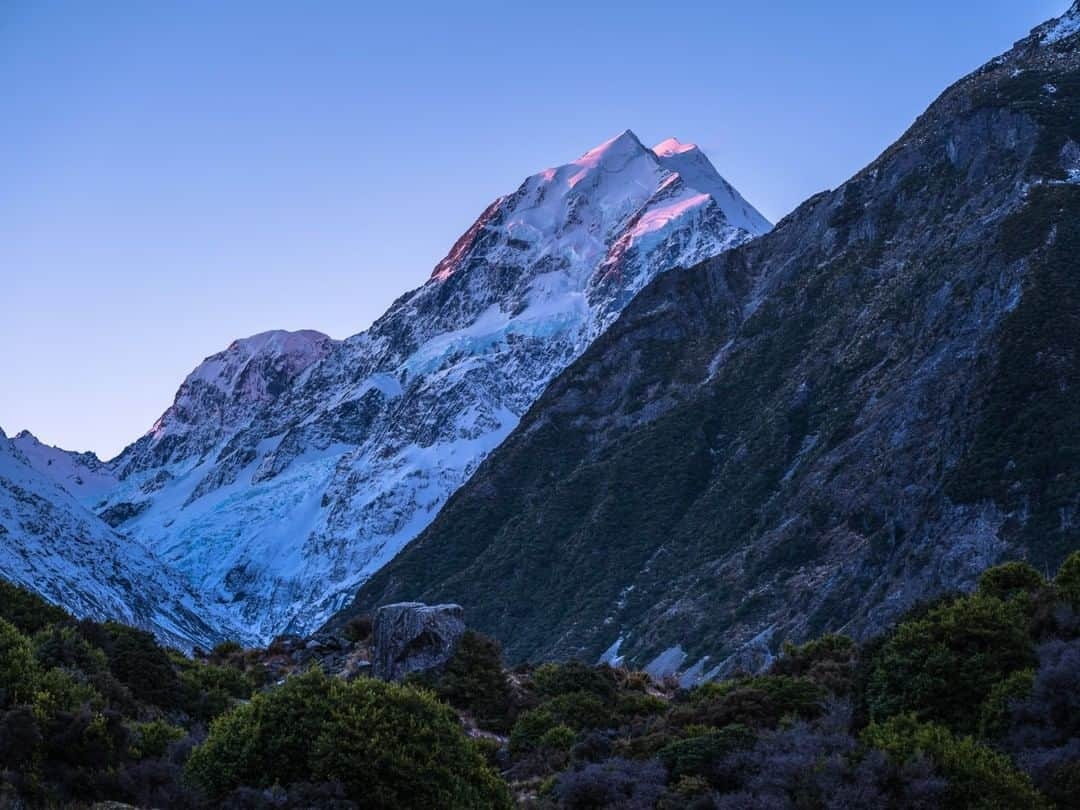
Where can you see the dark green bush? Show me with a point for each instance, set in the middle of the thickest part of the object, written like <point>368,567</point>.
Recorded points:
<point>696,755</point>
<point>474,681</point>
<point>1067,580</point>
<point>389,746</point>
<point>28,611</point>
<point>552,680</point>
<point>19,671</point>
<point>1009,579</point>
<point>978,776</point>
<point>943,666</point>
<point>137,661</point>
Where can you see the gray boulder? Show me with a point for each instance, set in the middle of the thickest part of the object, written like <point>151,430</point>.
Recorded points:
<point>414,637</point>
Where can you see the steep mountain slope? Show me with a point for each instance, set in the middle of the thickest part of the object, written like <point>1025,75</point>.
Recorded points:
<point>861,409</point>
<point>55,547</point>
<point>291,466</point>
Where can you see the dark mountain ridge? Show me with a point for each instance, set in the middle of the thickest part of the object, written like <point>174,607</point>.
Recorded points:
<point>859,410</point>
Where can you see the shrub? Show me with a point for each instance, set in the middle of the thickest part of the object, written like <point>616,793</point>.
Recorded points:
<point>696,756</point>
<point>1068,579</point>
<point>474,680</point>
<point>28,611</point>
<point>558,738</point>
<point>757,702</point>
<point>529,729</point>
<point>19,672</point>
<point>62,646</point>
<point>58,691</point>
<point>152,739</point>
<point>267,740</point>
<point>978,776</point>
<point>19,738</point>
<point>1009,579</point>
<point>995,712</point>
<point>828,661</point>
<point>944,665</point>
<point>552,680</point>
<point>140,664</point>
<point>620,783</point>
<point>208,690</point>
<point>389,746</point>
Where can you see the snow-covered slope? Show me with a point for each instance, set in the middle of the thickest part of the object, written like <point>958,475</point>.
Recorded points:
<point>292,467</point>
<point>52,545</point>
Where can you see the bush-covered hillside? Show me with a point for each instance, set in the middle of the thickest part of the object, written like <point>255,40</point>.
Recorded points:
<point>971,701</point>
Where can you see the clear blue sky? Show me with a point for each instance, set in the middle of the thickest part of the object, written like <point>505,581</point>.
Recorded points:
<point>175,175</point>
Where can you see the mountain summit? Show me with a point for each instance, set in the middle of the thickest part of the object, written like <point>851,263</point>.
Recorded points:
<point>291,466</point>
<point>812,432</point>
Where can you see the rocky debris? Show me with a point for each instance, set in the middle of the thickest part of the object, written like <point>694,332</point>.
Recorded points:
<point>414,637</point>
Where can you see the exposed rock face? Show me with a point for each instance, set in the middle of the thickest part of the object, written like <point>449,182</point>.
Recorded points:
<point>863,408</point>
<point>292,466</point>
<point>414,637</point>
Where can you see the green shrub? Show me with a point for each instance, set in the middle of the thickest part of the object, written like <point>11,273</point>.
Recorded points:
<point>19,672</point>
<point>474,680</point>
<point>529,729</point>
<point>208,690</point>
<point>978,776</point>
<point>393,747</point>
<point>582,710</point>
<point>994,715</point>
<point>560,738</point>
<point>1009,579</point>
<point>943,666</point>
<point>28,611</point>
<point>137,661</point>
<point>58,691</point>
<point>694,756</point>
<point>1067,580</point>
<point>62,646</point>
<point>150,740</point>
<point>390,746</point>
<point>267,740</point>
<point>552,680</point>
<point>758,702</point>
<point>828,661</point>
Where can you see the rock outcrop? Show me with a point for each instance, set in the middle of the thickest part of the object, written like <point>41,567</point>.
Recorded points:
<point>414,637</point>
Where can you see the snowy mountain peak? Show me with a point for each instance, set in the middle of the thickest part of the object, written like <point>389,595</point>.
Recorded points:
<point>672,146</point>
<point>291,467</point>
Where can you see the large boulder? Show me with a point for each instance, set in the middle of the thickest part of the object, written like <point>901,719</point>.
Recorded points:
<point>414,637</point>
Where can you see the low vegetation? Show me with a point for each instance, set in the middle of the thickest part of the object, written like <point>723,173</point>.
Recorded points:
<point>972,701</point>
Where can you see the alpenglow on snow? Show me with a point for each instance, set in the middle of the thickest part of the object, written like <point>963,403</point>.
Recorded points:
<point>291,466</point>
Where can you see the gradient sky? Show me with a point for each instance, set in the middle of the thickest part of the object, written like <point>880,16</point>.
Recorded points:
<point>173,176</point>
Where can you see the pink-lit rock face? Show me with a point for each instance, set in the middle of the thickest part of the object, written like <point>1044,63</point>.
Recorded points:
<point>291,466</point>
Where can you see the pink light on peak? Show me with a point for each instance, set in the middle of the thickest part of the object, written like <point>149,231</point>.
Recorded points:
<point>672,146</point>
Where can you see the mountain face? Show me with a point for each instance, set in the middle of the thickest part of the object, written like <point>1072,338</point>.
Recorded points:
<point>55,547</point>
<point>291,466</point>
<point>861,409</point>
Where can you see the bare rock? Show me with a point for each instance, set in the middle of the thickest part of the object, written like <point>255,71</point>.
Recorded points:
<point>414,637</point>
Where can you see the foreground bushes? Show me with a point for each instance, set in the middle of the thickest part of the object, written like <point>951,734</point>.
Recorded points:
<point>389,746</point>
<point>972,701</point>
